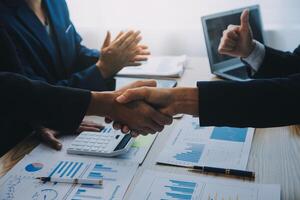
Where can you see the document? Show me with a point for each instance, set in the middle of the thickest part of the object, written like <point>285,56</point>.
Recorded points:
<point>162,66</point>
<point>161,83</point>
<point>137,153</point>
<point>157,185</point>
<point>20,182</point>
<point>222,147</point>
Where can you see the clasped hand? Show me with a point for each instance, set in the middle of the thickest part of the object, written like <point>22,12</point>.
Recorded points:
<point>148,109</point>
<point>136,114</point>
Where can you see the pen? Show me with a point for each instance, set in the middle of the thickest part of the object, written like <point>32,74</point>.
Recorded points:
<point>72,181</point>
<point>231,172</point>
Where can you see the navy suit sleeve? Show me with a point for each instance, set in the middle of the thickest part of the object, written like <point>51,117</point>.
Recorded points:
<point>279,64</point>
<point>89,78</point>
<point>35,102</point>
<point>256,103</point>
<point>85,73</point>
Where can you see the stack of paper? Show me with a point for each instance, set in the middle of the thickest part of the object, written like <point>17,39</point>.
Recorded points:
<point>163,66</point>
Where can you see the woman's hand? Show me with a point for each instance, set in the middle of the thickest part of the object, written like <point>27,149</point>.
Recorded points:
<point>121,52</point>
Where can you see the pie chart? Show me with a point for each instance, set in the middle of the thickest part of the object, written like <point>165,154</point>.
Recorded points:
<point>33,167</point>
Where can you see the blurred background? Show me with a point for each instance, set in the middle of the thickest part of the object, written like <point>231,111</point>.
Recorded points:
<point>173,27</point>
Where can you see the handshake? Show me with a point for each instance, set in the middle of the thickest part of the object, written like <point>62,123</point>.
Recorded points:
<point>140,108</point>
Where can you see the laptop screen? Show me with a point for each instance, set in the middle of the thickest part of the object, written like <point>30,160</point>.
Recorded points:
<point>214,26</point>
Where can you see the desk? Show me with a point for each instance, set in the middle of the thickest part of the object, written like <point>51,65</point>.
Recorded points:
<point>275,153</point>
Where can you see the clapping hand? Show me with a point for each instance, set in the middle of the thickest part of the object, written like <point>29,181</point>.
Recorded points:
<point>123,51</point>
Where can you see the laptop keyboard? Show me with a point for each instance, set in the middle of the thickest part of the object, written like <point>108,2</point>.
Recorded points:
<point>240,72</point>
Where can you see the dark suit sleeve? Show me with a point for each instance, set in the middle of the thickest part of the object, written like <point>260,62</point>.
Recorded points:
<point>85,73</point>
<point>279,64</point>
<point>89,79</point>
<point>33,102</point>
<point>256,103</point>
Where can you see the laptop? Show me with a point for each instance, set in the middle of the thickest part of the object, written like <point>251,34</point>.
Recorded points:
<point>213,26</point>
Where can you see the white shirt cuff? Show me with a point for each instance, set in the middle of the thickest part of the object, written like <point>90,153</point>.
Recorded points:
<point>256,58</point>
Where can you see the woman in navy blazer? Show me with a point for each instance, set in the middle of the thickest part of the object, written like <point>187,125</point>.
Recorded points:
<point>47,44</point>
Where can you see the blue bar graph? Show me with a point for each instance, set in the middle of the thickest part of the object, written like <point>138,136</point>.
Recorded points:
<point>102,168</point>
<point>66,169</point>
<point>229,134</point>
<point>183,183</point>
<point>72,169</point>
<point>77,169</point>
<point>98,172</point>
<point>193,153</point>
<point>83,194</point>
<point>95,175</point>
<point>106,130</point>
<point>180,190</point>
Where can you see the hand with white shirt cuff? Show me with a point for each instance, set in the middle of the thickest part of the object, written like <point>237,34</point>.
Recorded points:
<point>256,58</point>
<point>238,41</point>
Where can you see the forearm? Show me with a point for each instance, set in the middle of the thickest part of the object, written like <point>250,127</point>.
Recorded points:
<point>186,101</point>
<point>105,99</point>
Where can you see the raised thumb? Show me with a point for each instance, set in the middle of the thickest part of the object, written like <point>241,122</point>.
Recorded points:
<point>245,20</point>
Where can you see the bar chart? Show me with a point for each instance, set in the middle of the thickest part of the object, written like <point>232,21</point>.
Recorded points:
<point>116,178</point>
<point>180,189</point>
<point>229,134</point>
<point>68,169</point>
<point>192,153</point>
<point>223,147</point>
<point>98,171</point>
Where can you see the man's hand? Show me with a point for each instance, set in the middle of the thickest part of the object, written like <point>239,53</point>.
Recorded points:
<point>50,137</point>
<point>121,52</point>
<point>237,41</point>
<point>162,99</point>
<point>168,101</point>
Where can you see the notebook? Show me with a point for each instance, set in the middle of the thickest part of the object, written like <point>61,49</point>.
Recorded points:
<point>157,66</point>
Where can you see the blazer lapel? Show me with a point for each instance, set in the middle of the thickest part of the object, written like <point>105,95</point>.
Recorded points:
<point>58,31</point>
<point>26,15</point>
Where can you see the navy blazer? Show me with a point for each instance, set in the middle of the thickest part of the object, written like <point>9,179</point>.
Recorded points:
<point>271,100</point>
<point>25,103</point>
<point>60,59</point>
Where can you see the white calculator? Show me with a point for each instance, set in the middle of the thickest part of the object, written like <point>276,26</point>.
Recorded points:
<point>106,143</point>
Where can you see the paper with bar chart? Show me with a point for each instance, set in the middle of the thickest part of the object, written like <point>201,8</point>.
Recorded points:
<point>190,144</point>
<point>155,185</point>
<point>20,182</point>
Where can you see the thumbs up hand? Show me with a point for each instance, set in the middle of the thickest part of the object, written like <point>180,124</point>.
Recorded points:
<point>237,41</point>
